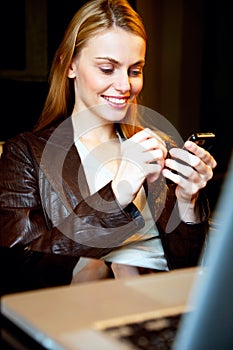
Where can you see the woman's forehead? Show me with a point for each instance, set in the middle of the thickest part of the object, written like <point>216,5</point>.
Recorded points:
<point>116,41</point>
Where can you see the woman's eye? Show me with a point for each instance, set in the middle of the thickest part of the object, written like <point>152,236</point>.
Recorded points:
<point>135,72</point>
<point>106,70</point>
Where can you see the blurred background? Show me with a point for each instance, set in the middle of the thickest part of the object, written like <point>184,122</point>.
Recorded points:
<point>188,75</point>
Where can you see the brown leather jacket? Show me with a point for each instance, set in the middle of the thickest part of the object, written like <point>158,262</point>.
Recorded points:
<point>48,219</point>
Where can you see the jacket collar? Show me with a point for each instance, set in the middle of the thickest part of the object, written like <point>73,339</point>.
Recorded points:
<point>60,163</point>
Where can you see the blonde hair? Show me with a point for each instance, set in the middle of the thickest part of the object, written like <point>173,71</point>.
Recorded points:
<point>93,17</point>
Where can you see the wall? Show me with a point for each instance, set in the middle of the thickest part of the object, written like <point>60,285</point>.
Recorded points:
<point>173,71</point>
<point>189,75</point>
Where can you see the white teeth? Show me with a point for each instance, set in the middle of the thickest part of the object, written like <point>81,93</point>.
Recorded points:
<point>115,100</point>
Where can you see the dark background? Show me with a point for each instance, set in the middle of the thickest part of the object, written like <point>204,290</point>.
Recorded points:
<point>205,103</point>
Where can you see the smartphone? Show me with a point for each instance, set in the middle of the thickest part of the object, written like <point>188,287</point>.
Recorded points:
<point>203,139</point>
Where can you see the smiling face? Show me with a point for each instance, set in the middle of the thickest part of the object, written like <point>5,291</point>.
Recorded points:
<point>108,72</point>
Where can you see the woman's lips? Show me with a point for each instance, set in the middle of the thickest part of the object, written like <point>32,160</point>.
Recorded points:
<point>114,101</point>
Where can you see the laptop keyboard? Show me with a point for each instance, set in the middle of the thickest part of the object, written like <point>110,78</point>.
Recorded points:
<point>152,334</point>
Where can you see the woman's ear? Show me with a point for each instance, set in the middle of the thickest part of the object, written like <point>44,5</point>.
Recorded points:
<point>72,72</point>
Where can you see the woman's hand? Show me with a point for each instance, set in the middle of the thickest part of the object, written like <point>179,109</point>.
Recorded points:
<point>143,155</point>
<point>190,171</point>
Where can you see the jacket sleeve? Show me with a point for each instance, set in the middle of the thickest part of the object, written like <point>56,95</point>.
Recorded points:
<point>183,243</point>
<point>95,225</point>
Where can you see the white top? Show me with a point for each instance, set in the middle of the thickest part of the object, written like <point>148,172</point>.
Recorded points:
<point>144,248</point>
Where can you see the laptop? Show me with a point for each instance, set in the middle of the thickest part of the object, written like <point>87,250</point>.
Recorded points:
<point>101,315</point>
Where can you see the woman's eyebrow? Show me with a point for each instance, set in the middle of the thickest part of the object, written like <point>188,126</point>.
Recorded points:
<point>112,60</point>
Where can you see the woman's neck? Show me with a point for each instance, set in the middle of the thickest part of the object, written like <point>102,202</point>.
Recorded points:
<point>92,133</point>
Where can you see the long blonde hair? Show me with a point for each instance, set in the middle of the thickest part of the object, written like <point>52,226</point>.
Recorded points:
<point>93,17</point>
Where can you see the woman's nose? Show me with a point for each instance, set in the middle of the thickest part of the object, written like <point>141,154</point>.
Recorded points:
<point>122,82</point>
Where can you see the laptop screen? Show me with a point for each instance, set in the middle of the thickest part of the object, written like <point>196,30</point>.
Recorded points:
<point>211,324</point>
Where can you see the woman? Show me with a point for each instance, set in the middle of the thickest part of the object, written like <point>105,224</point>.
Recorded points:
<point>90,193</point>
